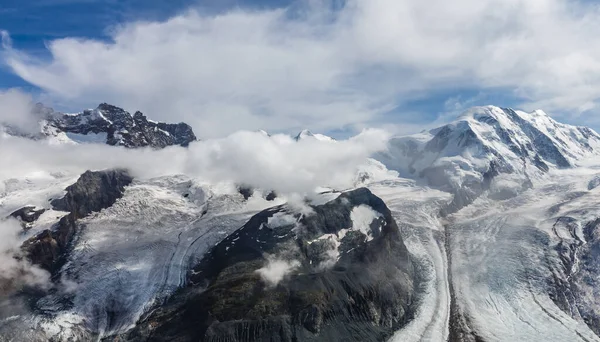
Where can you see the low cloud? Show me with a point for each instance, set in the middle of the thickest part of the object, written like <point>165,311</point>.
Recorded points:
<point>276,270</point>
<point>325,69</point>
<point>271,163</point>
<point>16,272</point>
<point>16,111</point>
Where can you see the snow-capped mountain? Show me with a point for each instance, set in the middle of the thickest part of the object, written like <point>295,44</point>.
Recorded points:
<point>107,124</point>
<point>490,148</point>
<point>485,229</point>
<point>286,276</point>
<point>306,134</point>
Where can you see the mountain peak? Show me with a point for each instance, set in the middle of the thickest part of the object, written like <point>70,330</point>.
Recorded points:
<point>306,134</point>
<point>111,125</point>
<point>486,144</point>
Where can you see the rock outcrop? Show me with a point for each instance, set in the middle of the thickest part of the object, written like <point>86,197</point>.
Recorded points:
<point>340,272</point>
<point>106,124</point>
<point>27,215</point>
<point>121,128</point>
<point>93,191</point>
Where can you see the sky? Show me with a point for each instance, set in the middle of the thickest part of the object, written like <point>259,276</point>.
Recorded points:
<point>332,66</point>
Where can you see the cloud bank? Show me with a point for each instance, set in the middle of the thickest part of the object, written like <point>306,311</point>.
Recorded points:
<point>327,68</point>
<point>272,163</point>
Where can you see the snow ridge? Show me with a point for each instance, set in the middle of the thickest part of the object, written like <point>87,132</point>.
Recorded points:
<point>490,148</point>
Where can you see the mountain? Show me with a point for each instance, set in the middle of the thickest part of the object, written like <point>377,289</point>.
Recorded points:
<point>108,124</point>
<point>485,229</point>
<point>92,192</point>
<point>490,148</point>
<point>306,134</point>
<point>341,273</point>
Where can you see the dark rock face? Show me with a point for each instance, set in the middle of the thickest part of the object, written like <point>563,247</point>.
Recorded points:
<point>245,191</point>
<point>27,215</point>
<point>121,128</point>
<point>48,248</point>
<point>541,142</point>
<point>92,192</point>
<point>271,196</point>
<point>340,284</point>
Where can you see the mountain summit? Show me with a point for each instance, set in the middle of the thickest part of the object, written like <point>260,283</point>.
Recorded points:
<point>490,148</point>
<point>111,125</point>
<point>306,134</point>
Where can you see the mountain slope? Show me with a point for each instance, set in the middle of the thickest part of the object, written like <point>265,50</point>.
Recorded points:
<point>490,148</point>
<point>338,272</point>
<point>107,124</point>
<point>513,258</point>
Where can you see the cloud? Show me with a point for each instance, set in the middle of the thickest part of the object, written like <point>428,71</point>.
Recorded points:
<point>324,69</point>
<point>16,111</point>
<point>277,269</point>
<point>15,271</point>
<point>362,216</point>
<point>5,39</point>
<point>272,163</point>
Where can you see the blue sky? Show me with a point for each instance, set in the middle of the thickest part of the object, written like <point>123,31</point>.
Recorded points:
<point>330,65</point>
<point>32,23</point>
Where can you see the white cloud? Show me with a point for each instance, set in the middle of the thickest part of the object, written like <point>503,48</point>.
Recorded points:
<point>362,216</point>
<point>272,163</point>
<point>262,69</point>
<point>5,39</point>
<point>15,270</point>
<point>15,111</point>
<point>277,269</point>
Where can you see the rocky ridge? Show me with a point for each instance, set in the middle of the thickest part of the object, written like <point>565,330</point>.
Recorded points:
<point>93,191</point>
<point>340,272</point>
<point>107,124</point>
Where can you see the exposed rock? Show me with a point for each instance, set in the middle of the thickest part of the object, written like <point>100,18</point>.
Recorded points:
<point>27,215</point>
<point>48,248</point>
<point>93,191</point>
<point>594,183</point>
<point>123,129</point>
<point>271,196</point>
<point>106,124</point>
<point>245,191</point>
<point>579,255</point>
<point>290,277</point>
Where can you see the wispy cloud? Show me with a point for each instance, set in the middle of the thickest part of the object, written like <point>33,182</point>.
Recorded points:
<point>328,69</point>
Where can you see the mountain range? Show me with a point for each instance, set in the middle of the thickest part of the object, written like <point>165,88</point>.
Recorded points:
<point>105,124</point>
<point>484,229</point>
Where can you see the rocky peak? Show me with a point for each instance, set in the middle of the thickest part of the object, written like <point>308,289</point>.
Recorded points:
<point>93,191</point>
<point>340,273</point>
<point>108,124</point>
